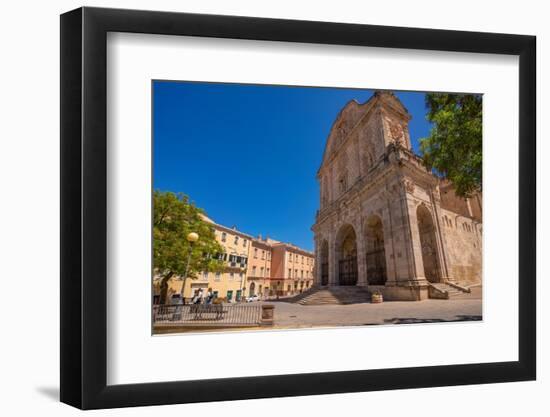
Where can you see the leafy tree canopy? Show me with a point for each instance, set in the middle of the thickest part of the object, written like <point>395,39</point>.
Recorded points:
<point>174,217</point>
<point>454,147</point>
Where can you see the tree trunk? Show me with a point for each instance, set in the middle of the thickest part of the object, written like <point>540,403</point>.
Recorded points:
<point>164,287</point>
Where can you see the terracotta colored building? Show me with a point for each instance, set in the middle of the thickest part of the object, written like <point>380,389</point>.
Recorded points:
<point>292,269</point>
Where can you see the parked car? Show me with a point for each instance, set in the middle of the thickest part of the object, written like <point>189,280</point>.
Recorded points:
<point>252,298</point>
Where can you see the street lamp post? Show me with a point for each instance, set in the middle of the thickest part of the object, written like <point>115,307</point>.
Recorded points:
<point>191,238</point>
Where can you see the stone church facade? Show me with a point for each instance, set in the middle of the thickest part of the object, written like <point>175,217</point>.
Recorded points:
<point>385,221</point>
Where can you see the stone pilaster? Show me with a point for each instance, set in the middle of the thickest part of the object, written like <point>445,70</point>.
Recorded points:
<point>389,247</point>
<point>332,260</point>
<point>361,255</point>
<point>442,256</point>
<point>414,246</point>
<point>317,274</point>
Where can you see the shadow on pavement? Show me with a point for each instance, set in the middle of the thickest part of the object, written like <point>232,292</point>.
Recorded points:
<point>414,320</point>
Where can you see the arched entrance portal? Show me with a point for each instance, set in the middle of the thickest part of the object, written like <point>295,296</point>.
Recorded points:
<point>252,289</point>
<point>324,263</point>
<point>376,254</point>
<point>346,250</point>
<point>428,243</point>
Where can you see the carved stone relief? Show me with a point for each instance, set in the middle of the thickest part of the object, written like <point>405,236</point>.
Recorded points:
<point>409,185</point>
<point>396,133</point>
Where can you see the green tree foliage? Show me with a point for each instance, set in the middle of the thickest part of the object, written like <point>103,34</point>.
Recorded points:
<point>174,217</point>
<point>454,147</point>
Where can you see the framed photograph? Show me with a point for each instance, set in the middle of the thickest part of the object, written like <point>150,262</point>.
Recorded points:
<point>257,208</point>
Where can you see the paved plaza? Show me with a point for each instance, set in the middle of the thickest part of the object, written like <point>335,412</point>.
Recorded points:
<point>288,315</point>
<point>466,307</point>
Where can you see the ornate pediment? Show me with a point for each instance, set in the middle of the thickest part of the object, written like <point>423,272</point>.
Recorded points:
<point>353,113</point>
<point>344,123</point>
<point>346,120</point>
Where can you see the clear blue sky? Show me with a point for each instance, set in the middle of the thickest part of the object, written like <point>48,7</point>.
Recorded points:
<point>248,154</point>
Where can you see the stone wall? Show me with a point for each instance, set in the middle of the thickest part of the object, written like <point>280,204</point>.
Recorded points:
<point>463,245</point>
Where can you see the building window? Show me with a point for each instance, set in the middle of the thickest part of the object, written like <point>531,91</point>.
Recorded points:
<point>295,273</point>
<point>236,240</point>
<point>231,275</point>
<point>262,272</point>
<point>244,243</point>
<point>229,295</point>
<point>224,236</point>
<point>218,276</point>
<point>255,253</point>
<point>302,274</point>
<point>290,257</point>
<point>205,275</point>
<point>263,254</point>
<point>268,272</point>
<point>253,271</point>
<point>289,273</point>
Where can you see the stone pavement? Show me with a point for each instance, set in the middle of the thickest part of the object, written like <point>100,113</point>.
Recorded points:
<point>288,315</point>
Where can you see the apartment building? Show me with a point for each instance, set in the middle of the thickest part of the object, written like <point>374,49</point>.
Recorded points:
<point>252,266</point>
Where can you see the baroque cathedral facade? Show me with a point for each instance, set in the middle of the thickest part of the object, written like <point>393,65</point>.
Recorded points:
<point>385,221</point>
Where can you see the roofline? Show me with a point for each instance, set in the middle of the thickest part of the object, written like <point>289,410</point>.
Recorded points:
<point>255,239</point>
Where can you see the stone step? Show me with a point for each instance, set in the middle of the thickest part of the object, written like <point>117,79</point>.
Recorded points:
<point>449,289</point>
<point>333,295</point>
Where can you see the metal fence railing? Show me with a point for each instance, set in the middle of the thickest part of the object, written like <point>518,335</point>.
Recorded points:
<point>208,314</point>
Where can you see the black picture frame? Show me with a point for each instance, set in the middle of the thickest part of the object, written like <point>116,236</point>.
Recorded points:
<point>84,207</point>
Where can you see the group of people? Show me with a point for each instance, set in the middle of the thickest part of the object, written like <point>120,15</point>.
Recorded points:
<point>199,297</point>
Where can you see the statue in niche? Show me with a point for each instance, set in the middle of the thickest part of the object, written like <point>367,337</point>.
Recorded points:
<point>397,133</point>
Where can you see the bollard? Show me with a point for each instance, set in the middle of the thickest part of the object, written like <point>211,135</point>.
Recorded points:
<point>268,311</point>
